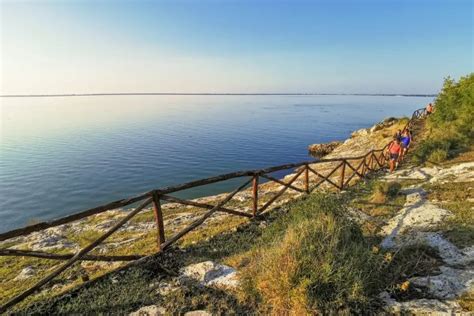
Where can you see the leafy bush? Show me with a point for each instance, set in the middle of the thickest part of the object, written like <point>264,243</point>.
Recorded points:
<point>455,106</point>
<point>447,145</point>
<point>438,155</point>
<point>451,124</point>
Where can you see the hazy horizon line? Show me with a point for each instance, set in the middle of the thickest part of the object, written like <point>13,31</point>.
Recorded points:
<point>210,94</point>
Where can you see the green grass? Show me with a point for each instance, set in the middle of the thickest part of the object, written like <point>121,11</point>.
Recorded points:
<point>455,197</point>
<point>312,260</point>
<point>378,199</point>
<point>307,249</point>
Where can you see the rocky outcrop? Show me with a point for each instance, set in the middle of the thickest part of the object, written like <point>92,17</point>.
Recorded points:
<point>360,132</point>
<point>417,213</point>
<point>414,225</point>
<point>320,150</point>
<point>384,124</point>
<point>421,306</point>
<point>360,141</point>
<point>388,122</point>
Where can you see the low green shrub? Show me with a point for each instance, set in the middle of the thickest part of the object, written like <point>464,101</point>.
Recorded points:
<point>444,146</point>
<point>438,155</point>
<point>451,125</point>
<point>313,260</point>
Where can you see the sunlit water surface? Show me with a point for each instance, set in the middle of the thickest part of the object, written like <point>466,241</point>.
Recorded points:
<point>65,154</point>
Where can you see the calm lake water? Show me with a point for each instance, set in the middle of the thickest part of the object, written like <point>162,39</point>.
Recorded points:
<point>60,155</point>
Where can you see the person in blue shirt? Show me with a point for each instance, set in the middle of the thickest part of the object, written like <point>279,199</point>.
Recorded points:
<point>405,141</point>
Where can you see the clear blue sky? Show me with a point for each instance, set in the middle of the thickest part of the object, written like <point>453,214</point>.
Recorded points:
<point>234,46</point>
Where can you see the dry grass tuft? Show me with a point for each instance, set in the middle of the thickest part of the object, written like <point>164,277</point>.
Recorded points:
<point>384,191</point>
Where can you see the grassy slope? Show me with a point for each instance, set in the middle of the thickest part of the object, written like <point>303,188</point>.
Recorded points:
<point>307,248</point>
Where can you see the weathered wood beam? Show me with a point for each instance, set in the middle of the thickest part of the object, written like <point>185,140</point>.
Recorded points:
<point>255,195</point>
<point>356,169</point>
<point>266,205</point>
<point>326,178</point>
<point>343,171</point>
<point>281,182</point>
<point>306,179</point>
<point>173,199</point>
<point>203,218</point>
<point>73,217</point>
<point>53,256</point>
<point>160,227</point>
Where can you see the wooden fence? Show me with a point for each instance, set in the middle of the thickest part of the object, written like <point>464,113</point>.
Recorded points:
<point>348,167</point>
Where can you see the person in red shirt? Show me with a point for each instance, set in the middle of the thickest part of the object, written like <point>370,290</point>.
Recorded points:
<point>394,151</point>
<point>429,109</point>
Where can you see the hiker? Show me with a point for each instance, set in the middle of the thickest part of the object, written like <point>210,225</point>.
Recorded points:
<point>429,109</point>
<point>405,141</point>
<point>398,134</point>
<point>394,150</point>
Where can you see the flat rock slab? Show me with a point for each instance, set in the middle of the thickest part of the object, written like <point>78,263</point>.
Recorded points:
<point>463,172</point>
<point>211,274</point>
<point>421,306</point>
<point>417,214</point>
<point>408,174</point>
<point>450,254</point>
<point>450,284</point>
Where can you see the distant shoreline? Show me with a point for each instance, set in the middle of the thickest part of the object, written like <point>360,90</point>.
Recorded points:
<point>212,94</point>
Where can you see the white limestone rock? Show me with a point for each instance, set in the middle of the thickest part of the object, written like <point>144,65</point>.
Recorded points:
<point>450,284</point>
<point>416,214</point>
<point>450,254</point>
<point>48,240</point>
<point>25,273</point>
<point>211,274</point>
<point>421,306</point>
<point>463,172</point>
<point>360,132</point>
<point>408,174</point>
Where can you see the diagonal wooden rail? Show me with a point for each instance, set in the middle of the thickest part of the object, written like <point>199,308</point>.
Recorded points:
<point>372,161</point>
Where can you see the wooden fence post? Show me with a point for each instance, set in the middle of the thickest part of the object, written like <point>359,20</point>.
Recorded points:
<point>255,194</point>
<point>341,184</point>
<point>306,178</point>
<point>369,165</point>
<point>363,167</point>
<point>159,219</point>
<point>375,161</point>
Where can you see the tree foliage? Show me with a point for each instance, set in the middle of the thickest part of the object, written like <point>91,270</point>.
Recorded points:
<point>452,123</point>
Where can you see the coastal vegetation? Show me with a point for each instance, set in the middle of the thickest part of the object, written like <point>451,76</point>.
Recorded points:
<point>307,256</point>
<point>450,129</point>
